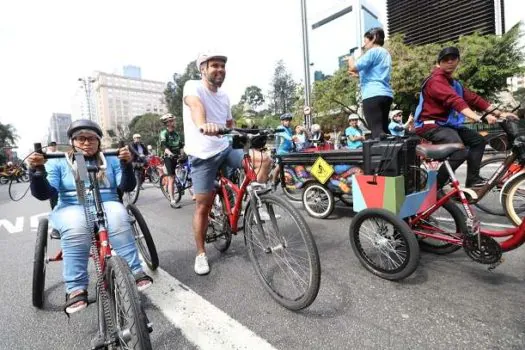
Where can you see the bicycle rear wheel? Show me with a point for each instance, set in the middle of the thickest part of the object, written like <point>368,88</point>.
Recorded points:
<point>39,263</point>
<point>125,307</point>
<point>384,244</point>
<point>283,252</point>
<point>143,238</point>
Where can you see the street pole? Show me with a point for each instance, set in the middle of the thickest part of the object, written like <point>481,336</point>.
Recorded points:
<point>87,88</point>
<point>306,58</point>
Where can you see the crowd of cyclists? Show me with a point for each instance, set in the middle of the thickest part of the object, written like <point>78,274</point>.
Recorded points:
<point>444,104</point>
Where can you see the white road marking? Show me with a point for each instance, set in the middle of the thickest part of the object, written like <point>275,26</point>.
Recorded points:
<point>482,223</point>
<point>17,227</point>
<point>203,324</point>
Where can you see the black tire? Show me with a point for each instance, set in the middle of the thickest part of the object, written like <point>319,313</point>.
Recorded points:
<point>324,200</point>
<point>508,196</point>
<point>305,240</point>
<point>177,195</point>
<point>219,225</point>
<point>295,195</point>
<point>154,176</point>
<point>490,203</point>
<point>39,263</point>
<point>440,247</point>
<point>124,299</point>
<point>346,198</point>
<point>401,231</point>
<point>143,238</point>
<point>133,196</point>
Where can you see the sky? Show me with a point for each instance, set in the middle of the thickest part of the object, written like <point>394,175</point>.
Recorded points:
<point>45,46</point>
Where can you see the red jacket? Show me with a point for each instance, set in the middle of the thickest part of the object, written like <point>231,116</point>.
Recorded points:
<point>439,98</point>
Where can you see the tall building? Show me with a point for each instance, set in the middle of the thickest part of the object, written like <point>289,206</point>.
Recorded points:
<point>119,99</point>
<point>58,125</point>
<point>337,31</point>
<point>438,21</point>
<point>130,71</point>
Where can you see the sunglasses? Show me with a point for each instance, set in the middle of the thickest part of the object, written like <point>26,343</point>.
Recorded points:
<point>90,139</point>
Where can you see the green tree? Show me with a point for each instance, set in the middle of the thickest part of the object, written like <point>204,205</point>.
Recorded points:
<point>283,90</point>
<point>333,99</point>
<point>252,96</point>
<point>8,138</point>
<point>174,91</point>
<point>148,126</point>
<point>519,96</point>
<point>486,63</point>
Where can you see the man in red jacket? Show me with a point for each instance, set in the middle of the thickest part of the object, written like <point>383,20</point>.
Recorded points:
<point>443,105</point>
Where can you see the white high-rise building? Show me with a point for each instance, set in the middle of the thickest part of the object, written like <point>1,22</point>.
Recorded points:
<point>118,99</point>
<point>337,30</point>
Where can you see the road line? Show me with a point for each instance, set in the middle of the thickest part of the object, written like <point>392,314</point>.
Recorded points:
<point>203,324</point>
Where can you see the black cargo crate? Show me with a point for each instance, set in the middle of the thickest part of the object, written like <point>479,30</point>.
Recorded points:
<point>398,157</point>
<point>346,156</point>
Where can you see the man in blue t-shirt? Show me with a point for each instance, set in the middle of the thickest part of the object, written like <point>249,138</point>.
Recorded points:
<point>354,135</point>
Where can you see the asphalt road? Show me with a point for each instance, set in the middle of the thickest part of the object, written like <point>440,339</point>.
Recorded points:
<point>449,302</point>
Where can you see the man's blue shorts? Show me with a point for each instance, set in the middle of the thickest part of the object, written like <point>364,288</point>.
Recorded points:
<point>204,171</point>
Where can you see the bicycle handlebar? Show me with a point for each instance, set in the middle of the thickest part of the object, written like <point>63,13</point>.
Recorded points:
<point>38,149</point>
<point>246,132</point>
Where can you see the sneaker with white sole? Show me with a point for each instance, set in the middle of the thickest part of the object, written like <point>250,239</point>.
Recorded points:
<point>201,264</point>
<point>175,205</point>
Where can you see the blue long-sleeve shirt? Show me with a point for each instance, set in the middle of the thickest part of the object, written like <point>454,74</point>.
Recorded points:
<point>60,180</point>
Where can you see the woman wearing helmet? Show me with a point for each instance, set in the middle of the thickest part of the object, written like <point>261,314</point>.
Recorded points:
<point>68,216</point>
<point>353,133</point>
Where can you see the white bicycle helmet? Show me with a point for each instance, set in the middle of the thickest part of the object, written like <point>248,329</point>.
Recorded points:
<point>136,135</point>
<point>166,117</point>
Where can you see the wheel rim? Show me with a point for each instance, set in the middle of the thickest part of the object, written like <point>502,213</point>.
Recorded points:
<point>279,258</point>
<point>382,247</point>
<point>516,192</point>
<point>317,200</point>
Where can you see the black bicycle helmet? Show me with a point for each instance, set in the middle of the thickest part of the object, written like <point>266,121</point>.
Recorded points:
<point>84,124</point>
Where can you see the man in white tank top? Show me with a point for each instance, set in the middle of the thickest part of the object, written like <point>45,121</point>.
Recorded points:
<point>207,107</point>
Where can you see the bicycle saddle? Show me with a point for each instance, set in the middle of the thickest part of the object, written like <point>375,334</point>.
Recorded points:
<point>438,152</point>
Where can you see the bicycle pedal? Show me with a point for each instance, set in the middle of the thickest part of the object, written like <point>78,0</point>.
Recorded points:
<point>98,343</point>
<point>149,327</point>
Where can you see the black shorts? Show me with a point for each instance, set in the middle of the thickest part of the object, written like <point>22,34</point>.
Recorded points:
<point>170,163</point>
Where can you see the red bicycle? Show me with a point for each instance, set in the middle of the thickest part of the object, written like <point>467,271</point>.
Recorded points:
<point>122,321</point>
<point>386,245</point>
<point>280,243</point>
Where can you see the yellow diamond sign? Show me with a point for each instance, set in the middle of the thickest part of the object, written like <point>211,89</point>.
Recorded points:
<point>322,170</point>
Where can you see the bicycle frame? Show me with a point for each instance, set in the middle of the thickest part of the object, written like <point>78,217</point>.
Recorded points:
<point>234,211</point>
<point>517,233</point>
<point>183,184</point>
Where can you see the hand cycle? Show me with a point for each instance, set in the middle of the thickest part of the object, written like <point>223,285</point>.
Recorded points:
<point>280,244</point>
<point>181,180</point>
<point>397,249</point>
<point>121,318</point>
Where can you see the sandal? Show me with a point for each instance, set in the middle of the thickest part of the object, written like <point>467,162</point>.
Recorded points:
<point>143,281</point>
<point>76,301</point>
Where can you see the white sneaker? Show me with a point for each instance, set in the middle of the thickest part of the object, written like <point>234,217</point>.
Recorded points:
<point>175,205</point>
<point>201,264</point>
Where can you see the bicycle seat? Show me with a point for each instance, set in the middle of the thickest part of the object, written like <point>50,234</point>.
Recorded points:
<point>438,152</point>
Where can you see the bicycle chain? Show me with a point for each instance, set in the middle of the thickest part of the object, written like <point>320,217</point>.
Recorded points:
<point>90,220</point>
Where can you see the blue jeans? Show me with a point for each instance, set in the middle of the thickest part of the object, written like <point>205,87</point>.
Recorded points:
<point>76,241</point>
<point>204,171</point>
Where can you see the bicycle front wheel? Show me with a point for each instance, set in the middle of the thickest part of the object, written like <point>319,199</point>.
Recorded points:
<point>283,252</point>
<point>490,203</point>
<point>143,238</point>
<point>126,310</point>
